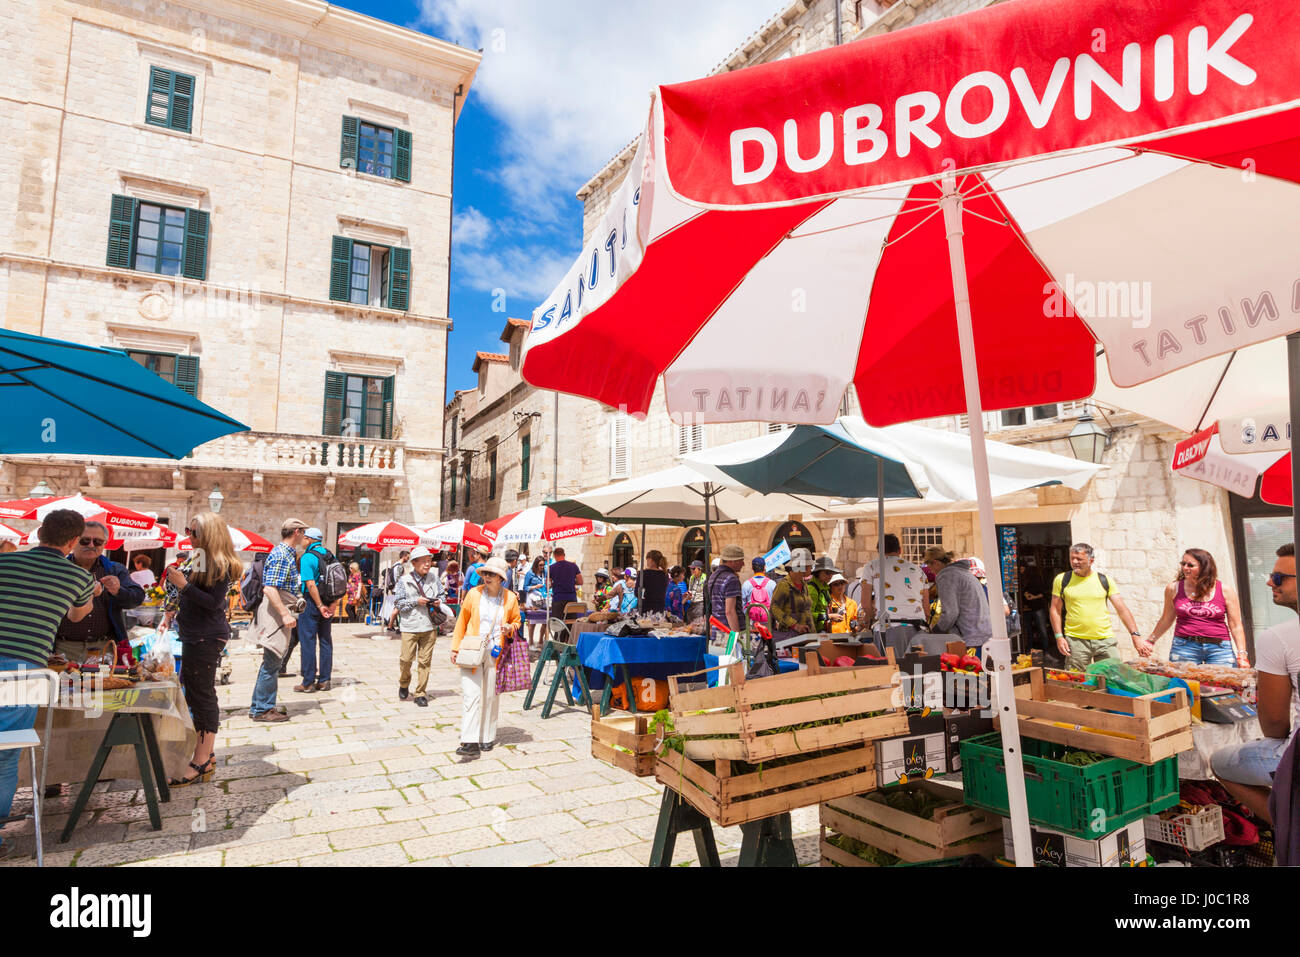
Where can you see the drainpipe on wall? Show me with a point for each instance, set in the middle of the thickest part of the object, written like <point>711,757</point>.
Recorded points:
<point>446,350</point>
<point>839,23</point>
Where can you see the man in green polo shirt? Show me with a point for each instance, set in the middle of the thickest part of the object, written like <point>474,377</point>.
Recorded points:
<point>37,588</point>
<point>1080,618</point>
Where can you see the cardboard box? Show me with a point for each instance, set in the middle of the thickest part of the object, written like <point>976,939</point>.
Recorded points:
<point>957,728</point>
<point>922,691</point>
<point>909,757</point>
<point>1125,846</point>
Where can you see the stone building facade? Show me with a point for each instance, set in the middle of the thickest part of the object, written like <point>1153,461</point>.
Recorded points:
<point>1136,514</point>
<point>305,152</point>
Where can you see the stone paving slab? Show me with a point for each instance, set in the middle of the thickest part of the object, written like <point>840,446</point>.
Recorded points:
<point>359,778</point>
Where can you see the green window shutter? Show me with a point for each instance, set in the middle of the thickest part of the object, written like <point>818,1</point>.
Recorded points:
<point>399,282</point>
<point>525,461</point>
<point>195,265</point>
<point>467,484</point>
<point>121,231</point>
<point>158,111</point>
<point>182,102</point>
<point>332,420</point>
<point>453,486</point>
<point>402,155</point>
<point>348,149</point>
<point>492,475</point>
<point>187,374</point>
<point>388,387</point>
<point>341,269</point>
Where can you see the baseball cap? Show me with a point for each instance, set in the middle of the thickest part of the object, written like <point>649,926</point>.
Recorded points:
<point>733,553</point>
<point>314,534</point>
<point>697,564</point>
<point>759,563</point>
<point>603,571</point>
<point>292,525</point>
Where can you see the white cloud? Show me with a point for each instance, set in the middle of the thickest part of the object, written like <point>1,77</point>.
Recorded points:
<point>470,228</point>
<point>527,273</point>
<point>570,79</point>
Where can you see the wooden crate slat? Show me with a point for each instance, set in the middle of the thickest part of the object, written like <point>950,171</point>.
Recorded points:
<point>768,746</point>
<point>840,856</point>
<point>824,709</point>
<point>1070,714</point>
<point>909,836</point>
<point>716,722</point>
<point>706,699</point>
<point>777,687</point>
<point>642,765</point>
<point>787,774</point>
<point>927,832</point>
<point>724,799</point>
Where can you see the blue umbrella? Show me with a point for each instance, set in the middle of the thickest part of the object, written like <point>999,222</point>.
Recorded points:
<point>61,397</point>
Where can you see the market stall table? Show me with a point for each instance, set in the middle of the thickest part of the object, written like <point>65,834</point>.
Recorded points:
<point>151,718</point>
<point>606,656</point>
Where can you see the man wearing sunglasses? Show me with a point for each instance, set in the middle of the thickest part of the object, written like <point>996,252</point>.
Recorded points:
<point>115,592</point>
<point>1246,770</point>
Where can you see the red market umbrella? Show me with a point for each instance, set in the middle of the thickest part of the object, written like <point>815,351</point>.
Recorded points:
<point>455,533</point>
<point>1093,174</point>
<point>116,517</point>
<point>381,535</point>
<point>539,524</point>
<point>1203,456</point>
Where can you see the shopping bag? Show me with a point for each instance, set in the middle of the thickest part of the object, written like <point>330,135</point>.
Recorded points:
<point>514,672</point>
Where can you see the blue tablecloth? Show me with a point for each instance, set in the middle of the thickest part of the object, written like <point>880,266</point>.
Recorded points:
<point>646,656</point>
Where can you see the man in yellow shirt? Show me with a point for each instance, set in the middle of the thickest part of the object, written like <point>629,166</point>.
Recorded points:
<point>1080,617</point>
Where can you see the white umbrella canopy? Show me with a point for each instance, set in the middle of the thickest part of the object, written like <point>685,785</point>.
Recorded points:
<point>678,496</point>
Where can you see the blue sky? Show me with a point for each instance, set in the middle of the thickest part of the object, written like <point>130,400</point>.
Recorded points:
<point>563,86</point>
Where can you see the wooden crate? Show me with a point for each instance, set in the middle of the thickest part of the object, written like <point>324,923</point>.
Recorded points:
<point>742,712</point>
<point>727,798</point>
<point>613,732</point>
<point>909,836</point>
<point>1136,729</point>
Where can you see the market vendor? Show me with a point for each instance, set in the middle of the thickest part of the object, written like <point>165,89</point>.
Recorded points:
<point>791,611</point>
<point>105,626</point>
<point>819,590</point>
<point>1246,770</point>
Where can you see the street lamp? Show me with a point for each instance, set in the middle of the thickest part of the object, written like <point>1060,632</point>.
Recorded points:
<point>41,490</point>
<point>363,505</point>
<point>216,499</point>
<point>1088,440</point>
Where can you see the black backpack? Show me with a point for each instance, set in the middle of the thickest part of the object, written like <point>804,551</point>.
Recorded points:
<point>1065,582</point>
<point>250,585</point>
<point>332,578</point>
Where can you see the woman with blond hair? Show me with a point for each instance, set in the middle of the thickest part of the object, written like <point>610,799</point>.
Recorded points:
<point>491,611</point>
<point>204,630</point>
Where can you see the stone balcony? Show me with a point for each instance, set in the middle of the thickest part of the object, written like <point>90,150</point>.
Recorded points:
<point>274,452</point>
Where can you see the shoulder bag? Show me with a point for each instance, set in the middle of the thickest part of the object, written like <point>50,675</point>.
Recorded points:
<point>473,650</point>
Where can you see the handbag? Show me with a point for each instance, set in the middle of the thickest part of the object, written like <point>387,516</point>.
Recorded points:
<point>473,650</point>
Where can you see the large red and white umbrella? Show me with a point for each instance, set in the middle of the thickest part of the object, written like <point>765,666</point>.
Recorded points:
<point>242,540</point>
<point>455,533</point>
<point>116,517</point>
<point>8,534</point>
<point>539,524</point>
<point>1090,172</point>
<point>388,534</point>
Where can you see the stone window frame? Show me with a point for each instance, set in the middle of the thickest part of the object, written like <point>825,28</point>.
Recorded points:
<point>166,58</point>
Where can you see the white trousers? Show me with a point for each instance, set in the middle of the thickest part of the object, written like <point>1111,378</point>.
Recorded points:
<point>479,704</point>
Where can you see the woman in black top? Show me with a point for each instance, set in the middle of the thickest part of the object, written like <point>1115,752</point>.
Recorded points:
<point>654,582</point>
<point>204,630</point>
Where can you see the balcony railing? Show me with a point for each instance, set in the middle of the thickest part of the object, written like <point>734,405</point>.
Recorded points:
<point>276,452</point>
<point>270,451</point>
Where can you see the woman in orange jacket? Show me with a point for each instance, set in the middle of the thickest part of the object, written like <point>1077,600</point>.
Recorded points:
<point>490,610</point>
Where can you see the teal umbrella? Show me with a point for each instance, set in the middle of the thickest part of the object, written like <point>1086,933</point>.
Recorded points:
<point>61,397</point>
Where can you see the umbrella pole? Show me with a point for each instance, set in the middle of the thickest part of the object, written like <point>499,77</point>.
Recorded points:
<point>708,548</point>
<point>999,644</point>
<point>880,543</point>
<point>640,583</point>
<point>1293,381</point>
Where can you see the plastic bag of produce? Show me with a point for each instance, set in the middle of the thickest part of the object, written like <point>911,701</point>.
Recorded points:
<point>1124,679</point>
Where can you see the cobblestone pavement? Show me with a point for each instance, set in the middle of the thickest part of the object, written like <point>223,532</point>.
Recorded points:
<point>357,777</point>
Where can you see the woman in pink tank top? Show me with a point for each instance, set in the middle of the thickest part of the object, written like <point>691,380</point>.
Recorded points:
<point>1205,614</point>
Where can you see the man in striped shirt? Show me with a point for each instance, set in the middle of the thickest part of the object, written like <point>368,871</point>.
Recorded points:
<point>37,588</point>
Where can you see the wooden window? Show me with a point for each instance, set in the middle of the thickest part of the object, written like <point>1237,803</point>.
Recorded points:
<point>525,460</point>
<point>358,406</point>
<point>376,150</point>
<point>367,274</point>
<point>168,240</point>
<point>180,371</point>
<point>618,453</point>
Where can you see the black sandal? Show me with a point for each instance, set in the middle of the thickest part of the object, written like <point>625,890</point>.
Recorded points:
<point>204,774</point>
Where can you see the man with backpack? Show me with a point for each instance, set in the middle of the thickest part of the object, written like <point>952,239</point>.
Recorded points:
<point>274,601</point>
<point>324,584</point>
<point>1080,618</point>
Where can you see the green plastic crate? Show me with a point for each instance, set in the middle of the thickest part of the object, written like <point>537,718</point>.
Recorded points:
<point>1063,796</point>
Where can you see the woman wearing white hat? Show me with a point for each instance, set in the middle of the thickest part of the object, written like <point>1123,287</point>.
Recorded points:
<point>489,618</point>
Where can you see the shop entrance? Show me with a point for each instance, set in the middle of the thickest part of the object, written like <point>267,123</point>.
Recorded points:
<point>1032,556</point>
